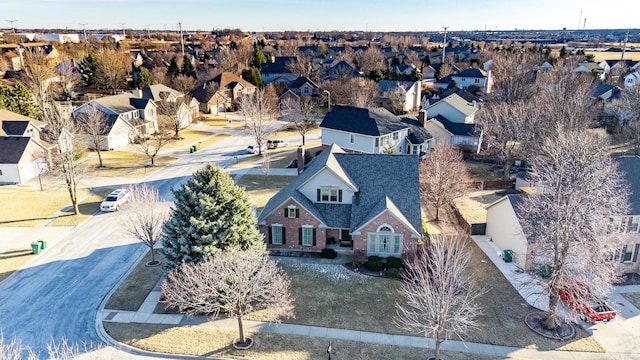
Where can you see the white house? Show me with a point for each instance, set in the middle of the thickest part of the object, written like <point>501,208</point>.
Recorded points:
<point>127,116</point>
<point>374,131</point>
<point>452,119</point>
<point>474,77</point>
<point>407,93</point>
<point>632,79</point>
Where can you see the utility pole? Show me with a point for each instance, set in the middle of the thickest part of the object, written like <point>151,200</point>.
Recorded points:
<point>149,37</point>
<point>123,33</point>
<point>444,43</point>
<point>84,32</point>
<point>624,47</point>
<point>181,38</point>
<point>579,19</point>
<point>12,27</point>
<point>164,34</point>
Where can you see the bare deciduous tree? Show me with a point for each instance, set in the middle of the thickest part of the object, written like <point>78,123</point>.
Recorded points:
<point>513,75</point>
<point>303,112</point>
<point>174,114</point>
<point>94,124</point>
<point>566,221</point>
<point>145,216</point>
<point>37,75</point>
<point>152,144</point>
<point>508,131</point>
<point>184,83</point>
<point>233,282</point>
<point>111,69</point>
<point>441,295</point>
<point>12,350</point>
<point>443,176</point>
<point>260,112</point>
<point>370,59</point>
<point>626,110</point>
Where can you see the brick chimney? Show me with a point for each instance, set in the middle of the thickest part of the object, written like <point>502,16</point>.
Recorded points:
<point>422,117</point>
<point>300,158</point>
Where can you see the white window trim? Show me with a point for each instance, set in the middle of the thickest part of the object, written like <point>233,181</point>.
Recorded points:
<point>375,237</point>
<point>272,233</point>
<point>633,253</point>
<point>291,207</point>
<point>310,227</point>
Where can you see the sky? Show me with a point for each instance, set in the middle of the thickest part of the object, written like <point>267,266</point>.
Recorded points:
<point>321,15</point>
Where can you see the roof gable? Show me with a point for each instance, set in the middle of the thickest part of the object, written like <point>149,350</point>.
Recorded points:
<point>12,148</point>
<point>371,122</point>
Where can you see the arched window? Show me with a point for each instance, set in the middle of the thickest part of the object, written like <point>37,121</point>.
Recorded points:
<point>384,242</point>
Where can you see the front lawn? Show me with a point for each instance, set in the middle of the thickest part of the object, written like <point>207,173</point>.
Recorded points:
<point>87,207</point>
<point>12,260</point>
<point>17,204</point>
<point>124,163</point>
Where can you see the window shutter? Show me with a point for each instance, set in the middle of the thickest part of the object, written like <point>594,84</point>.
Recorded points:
<point>314,237</point>
<point>300,236</point>
<point>318,193</point>
<point>286,212</point>
<point>270,235</point>
<point>635,253</point>
<point>297,213</point>
<point>340,195</point>
<point>284,235</point>
<point>624,248</point>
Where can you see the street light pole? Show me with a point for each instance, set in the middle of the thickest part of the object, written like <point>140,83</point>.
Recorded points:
<point>328,99</point>
<point>444,43</point>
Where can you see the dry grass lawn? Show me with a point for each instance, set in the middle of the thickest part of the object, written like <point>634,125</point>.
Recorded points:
<point>261,188</point>
<point>128,164</point>
<point>87,206</point>
<point>188,137</point>
<point>134,290</point>
<point>482,171</point>
<point>278,158</point>
<point>472,206</point>
<point>633,298</point>
<point>206,340</point>
<point>219,121</point>
<point>16,211</point>
<point>612,55</point>
<point>12,260</point>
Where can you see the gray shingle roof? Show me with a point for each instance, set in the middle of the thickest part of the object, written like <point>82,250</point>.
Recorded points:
<point>279,66</point>
<point>457,128</point>
<point>12,148</point>
<point>372,122</point>
<point>471,73</point>
<point>630,167</point>
<point>15,128</point>
<point>386,85</point>
<point>159,92</point>
<point>396,189</point>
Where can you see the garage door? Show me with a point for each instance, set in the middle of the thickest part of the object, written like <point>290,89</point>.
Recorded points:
<point>117,141</point>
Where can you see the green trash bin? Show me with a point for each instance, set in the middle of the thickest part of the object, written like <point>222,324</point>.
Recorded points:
<point>35,247</point>
<point>507,255</point>
<point>43,244</point>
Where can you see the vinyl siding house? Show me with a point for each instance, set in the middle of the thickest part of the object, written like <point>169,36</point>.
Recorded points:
<point>374,131</point>
<point>343,201</point>
<point>188,109</point>
<point>505,231</point>
<point>128,117</point>
<point>407,93</point>
<point>473,77</point>
<point>452,119</point>
<point>23,155</point>
<point>221,92</point>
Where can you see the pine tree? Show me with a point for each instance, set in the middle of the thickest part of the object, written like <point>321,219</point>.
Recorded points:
<point>187,67</point>
<point>210,213</point>
<point>253,76</point>
<point>87,68</point>
<point>144,78</point>
<point>258,56</point>
<point>173,70</point>
<point>19,100</point>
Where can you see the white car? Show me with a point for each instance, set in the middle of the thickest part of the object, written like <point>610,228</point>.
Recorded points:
<point>114,200</point>
<point>275,143</point>
<point>253,149</point>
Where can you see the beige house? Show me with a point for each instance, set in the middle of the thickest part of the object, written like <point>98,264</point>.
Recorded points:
<point>221,92</point>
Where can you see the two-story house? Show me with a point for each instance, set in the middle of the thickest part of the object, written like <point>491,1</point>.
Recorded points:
<point>221,92</point>
<point>23,154</point>
<point>374,131</point>
<point>280,67</point>
<point>452,119</point>
<point>473,78</point>
<point>368,204</point>
<point>128,117</point>
<point>188,107</point>
<point>406,93</point>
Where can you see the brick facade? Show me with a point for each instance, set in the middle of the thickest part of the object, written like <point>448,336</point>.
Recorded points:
<point>292,227</point>
<point>409,243</point>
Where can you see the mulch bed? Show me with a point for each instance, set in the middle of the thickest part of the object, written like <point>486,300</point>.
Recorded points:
<point>535,322</point>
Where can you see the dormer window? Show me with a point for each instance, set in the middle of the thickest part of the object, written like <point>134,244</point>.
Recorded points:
<point>329,194</point>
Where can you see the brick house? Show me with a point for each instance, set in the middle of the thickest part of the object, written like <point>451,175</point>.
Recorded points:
<point>358,203</point>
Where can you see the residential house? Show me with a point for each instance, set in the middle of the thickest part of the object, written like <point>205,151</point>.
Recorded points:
<point>366,204</point>
<point>128,117</point>
<point>452,119</point>
<point>374,131</point>
<point>404,95</point>
<point>504,227</point>
<point>341,70</point>
<point>590,68</point>
<point>23,155</point>
<point>281,66</point>
<point>188,109</point>
<point>303,86</point>
<point>632,79</point>
<point>474,78</point>
<point>13,61</point>
<point>221,92</point>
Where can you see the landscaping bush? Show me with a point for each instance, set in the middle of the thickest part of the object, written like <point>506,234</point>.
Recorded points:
<point>374,263</point>
<point>394,273</point>
<point>394,263</point>
<point>328,254</point>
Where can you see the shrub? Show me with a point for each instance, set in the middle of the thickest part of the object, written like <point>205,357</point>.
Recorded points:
<point>328,254</point>
<point>394,263</point>
<point>394,273</point>
<point>374,263</point>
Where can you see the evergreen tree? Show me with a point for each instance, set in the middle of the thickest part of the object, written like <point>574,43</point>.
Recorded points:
<point>144,78</point>
<point>173,70</point>
<point>563,52</point>
<point>210,213</point>
<point>376,75</point>
<point>87,68</point>
<point>188,69</point>
<point>253,76</point>
<point>258,57</point>
<point>19,100</point>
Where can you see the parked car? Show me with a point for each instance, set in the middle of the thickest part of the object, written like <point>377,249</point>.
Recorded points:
<point>580,298</point>
<point>254,149</point>
<point>114,200</point>
<point>275,143</point>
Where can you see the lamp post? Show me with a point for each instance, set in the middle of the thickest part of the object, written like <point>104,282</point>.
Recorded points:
<point>328,99</point>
